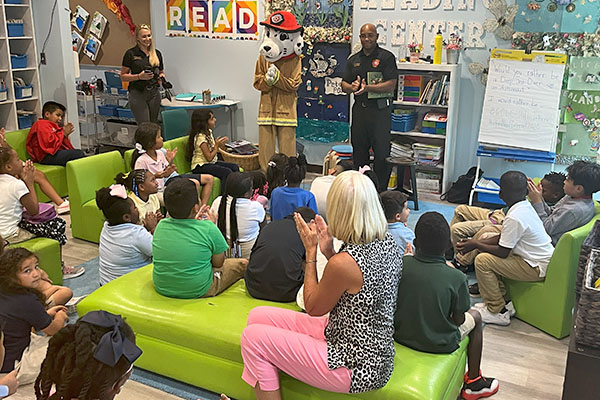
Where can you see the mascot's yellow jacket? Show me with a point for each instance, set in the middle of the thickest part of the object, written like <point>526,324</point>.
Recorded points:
<point>278,102</point>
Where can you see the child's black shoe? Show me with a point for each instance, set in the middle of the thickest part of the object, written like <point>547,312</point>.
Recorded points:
<point>479,388</point>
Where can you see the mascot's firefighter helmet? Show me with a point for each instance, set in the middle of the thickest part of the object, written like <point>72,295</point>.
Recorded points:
<point>282,36</point>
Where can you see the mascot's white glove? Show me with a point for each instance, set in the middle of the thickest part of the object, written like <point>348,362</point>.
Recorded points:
<point>272,75</point>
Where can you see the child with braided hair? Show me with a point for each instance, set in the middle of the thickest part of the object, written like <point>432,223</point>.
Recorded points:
<point>22,307</point>
<point>124,244</point>
<point>143,188</point>
<point>91,359</point>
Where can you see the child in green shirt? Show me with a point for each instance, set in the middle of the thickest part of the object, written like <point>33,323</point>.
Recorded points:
<point>189,250</point>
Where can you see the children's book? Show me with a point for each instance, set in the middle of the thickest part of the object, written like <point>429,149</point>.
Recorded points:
<point>374,77</point>
<point>98,25</point>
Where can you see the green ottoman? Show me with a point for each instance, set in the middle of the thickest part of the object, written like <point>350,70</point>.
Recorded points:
<point>48,252</point>
<point>198,342</point>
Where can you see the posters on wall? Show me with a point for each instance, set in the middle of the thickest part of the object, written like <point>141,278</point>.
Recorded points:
<point>217,19</point>
<point>91,48</point>
<point>80,17</point>
<point>557,16</point>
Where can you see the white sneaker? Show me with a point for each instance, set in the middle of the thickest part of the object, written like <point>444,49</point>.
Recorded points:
<point>511,308</point>
<point>478,305</point>
<point>63,208</point>
<point>496,319</point>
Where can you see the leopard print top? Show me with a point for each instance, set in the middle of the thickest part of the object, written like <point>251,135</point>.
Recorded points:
<point>360,330</point>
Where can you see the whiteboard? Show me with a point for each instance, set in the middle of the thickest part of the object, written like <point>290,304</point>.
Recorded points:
<point>521,104</point>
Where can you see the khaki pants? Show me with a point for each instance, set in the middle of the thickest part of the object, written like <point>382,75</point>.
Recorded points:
<point>485,232</point>
<point>286,140</point>
<point>468,220</point>
<point>489,269</point>
<point>20,236</point>
<point>232,271</point>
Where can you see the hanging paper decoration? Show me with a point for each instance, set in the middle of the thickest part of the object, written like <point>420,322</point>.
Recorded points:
<point>477,68</point>
<point>122,13</point>
<point>502,23</point>
<point>574,44</point>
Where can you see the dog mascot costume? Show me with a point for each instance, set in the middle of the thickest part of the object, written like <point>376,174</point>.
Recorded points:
<point>278,75</point>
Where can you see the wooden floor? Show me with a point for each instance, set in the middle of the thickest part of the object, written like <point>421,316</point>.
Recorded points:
<point>528,363</point>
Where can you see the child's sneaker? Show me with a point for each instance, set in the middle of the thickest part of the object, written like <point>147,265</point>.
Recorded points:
<point>479,388</point>
<point>509,306</point>
<point>497,319</point>
<point>72,272</point>
<point>474,290</point>
<point>63,208</point>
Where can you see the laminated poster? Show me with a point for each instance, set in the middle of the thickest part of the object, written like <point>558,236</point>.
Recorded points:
<point>98,25</point>
<point>584,73</point>
<point>77,41</point>
<point>80,17</point>
<point>92,47</point>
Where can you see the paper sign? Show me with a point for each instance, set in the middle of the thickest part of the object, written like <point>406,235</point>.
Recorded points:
<point>579,102</point>
<point>334,86</point>
<point>246,16</point>
<point>198,18</point>
<point>584,73</point>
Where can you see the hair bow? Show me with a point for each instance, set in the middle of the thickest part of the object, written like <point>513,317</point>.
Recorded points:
<point>272,164</point>
<point>118,191</point>
<point>139,148</point>
<point>112,345</point>
<point>364,169</point>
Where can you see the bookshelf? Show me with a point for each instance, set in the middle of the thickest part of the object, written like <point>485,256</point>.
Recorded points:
<point>451,74</point>
<point>21,45</point>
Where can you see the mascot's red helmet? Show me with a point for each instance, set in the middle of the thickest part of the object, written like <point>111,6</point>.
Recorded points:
<point>282,21</point>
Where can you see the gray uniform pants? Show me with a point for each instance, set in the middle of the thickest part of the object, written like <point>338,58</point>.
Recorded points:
<point>145,105</point>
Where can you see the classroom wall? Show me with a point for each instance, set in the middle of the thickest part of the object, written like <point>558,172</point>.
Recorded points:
<point>57,77</point>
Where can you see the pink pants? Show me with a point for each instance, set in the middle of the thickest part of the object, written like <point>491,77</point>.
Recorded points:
<point>278,339</point>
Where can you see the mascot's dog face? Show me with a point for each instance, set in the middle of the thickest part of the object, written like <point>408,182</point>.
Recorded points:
<point>278,44</point>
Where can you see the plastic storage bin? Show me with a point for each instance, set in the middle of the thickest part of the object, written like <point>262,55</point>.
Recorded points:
<point>15,29</point>
<point>491,198</point>
<point>404,122</point>
<point>23,92</point>
<point>25,121</point>
<point>116,90</point>
<point>124,113</point>
<point>109,110</point>
<point>18,61</point>
<point>3,94</point>
<point>13,2</point>
<point>113,79</point>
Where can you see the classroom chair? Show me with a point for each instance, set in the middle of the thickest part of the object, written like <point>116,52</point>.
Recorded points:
<point>56,174</point>
<point>401,163</point>
<point>48,253</point>
<point>85,177</point>
<point>176,123</point>
<point>548,305</point>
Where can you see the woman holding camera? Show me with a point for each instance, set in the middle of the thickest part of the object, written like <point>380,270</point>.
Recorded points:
<point>143,69</point>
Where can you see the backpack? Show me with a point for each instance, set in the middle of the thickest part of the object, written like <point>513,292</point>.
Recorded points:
<point>461,189</point>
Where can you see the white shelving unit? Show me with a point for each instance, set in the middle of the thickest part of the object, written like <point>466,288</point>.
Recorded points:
<point>449,139</point>
<point>18,45</point>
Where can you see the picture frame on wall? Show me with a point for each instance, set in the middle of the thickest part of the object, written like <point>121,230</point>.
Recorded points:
<point>98,25</point>
<point>91,48</point>
<point>80,18</point>
<point>77,41</point>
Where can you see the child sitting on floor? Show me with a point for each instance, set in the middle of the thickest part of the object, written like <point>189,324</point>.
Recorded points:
<point>202,148</point>
<point>521,252</point>
<point>22,307</point>
<point>285,199</point>
<point>150,155</point>
<point>239,218</point>
<point>320,186</point>
<point>16,186</point>
<point>276,172</point>
<point>189,250</point>
<point>576,208</point>
<point>395,207</point>
<point>62,206</point>
<point>143,188</point>
<point>260,188</point>
<point>433,309</point>
<point>275,270</point>
<point>48,142</point>
<point>124,245</point>
<point>82,364</point>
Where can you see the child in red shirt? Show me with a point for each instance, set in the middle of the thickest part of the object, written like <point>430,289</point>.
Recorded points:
<point>48,142</point>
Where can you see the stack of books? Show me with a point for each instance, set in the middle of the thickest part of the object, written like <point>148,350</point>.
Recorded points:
<point>428,154</point>
<point>410,87</point>
<point>242,147</point>
<point>401,150</point>
<point>436,92</point>
<point>434,123</point>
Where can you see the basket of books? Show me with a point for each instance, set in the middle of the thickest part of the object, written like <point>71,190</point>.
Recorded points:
<point>242,153</point>
<point>588,310</point>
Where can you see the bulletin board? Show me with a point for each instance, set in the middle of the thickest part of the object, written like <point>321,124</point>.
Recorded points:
<point>116,38</point>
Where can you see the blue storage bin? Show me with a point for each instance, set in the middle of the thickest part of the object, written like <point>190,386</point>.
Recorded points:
<point>109,110</point>
<point>3,94</point>
<point>18,61</point>
<point>491,198</point>
<point>15,29</point>
<point>25,121</point>
<point>116,90</point>
<point>23,92</point>
<point>124,113</point>
<point>13,2</point>
<point>404,122</point>
<point>113,79</point>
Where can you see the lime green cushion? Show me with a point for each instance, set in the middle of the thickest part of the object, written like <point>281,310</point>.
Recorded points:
<point>182,337</point>
<point>85,177</point>
<point>48,253</point>
<point>56,174</point>
<point>548,305</point>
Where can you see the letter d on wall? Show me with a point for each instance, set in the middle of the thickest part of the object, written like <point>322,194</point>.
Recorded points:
<point>176,15</point>
<point>246,16</point>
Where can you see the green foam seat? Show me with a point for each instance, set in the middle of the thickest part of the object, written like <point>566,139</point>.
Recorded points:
<point>49,255</point>
<point>198,342</point>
